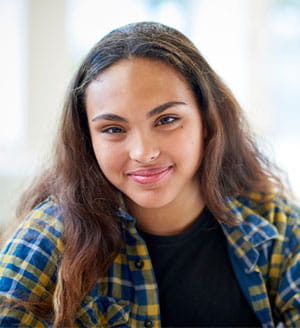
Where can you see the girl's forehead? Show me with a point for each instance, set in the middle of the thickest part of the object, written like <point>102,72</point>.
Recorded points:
<point>137,85</point>
<point>136,65</point>
<point>138,74</point>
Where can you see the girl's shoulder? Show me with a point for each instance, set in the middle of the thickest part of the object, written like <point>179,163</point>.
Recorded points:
<point>47,215</point>
<point>29,261</point>
<point>274,207</point>
<point>41,229</point>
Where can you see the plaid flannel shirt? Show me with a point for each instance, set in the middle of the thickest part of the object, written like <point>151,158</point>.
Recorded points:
<point>264,250</point>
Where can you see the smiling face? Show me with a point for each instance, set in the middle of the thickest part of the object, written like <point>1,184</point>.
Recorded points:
<point>146,132</point>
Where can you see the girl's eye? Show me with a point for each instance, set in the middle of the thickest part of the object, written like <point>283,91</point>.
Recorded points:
<point>113,130</point>
<point>167,120</point>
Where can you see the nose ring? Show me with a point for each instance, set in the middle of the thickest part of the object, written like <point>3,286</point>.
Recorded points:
<point>154,157</point>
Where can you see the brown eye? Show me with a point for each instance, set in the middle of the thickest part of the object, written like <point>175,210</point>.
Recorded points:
<point>112,130</point>
<point>167,120</point>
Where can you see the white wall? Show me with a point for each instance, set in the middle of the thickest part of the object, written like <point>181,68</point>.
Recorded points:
<point>253,44</point>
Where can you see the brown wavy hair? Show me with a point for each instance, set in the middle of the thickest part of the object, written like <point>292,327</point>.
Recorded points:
<point>232,164</point>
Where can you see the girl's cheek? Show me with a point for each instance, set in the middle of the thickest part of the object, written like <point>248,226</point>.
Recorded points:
<point>110,156</point>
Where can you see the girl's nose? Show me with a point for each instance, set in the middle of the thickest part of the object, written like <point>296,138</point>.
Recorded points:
<point>144,149</point>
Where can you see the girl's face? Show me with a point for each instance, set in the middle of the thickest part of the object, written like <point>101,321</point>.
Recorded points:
<point>146,132</point>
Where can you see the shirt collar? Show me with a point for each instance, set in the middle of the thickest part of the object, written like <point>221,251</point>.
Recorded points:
<point>251,232</point>
<point>122,213</point>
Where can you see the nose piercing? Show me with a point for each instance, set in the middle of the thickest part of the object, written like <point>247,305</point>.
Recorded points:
<point>153,157</point>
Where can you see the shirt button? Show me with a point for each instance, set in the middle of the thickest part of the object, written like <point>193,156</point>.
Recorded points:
<point>139,263</point>
<point>148,323</point>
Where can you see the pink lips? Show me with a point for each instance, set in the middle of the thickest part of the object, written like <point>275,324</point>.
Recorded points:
<point>149,176</point>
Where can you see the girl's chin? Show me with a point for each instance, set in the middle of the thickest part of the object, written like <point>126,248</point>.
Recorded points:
<point>145,203</point>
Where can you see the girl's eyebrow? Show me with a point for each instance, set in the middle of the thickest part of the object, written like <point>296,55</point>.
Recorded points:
<point>159,109</point>
<point>108,117</point>
<point>155,111</point>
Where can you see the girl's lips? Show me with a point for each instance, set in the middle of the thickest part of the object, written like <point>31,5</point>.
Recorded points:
<point>149,176</point>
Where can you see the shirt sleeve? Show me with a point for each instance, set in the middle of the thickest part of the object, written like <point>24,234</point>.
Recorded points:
<point>287,299</point>
<point>28,266</point>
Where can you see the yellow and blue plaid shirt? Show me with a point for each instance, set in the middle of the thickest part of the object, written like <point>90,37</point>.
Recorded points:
<point>264,249</point>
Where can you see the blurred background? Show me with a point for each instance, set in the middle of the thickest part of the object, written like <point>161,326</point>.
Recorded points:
<point>254,45</point>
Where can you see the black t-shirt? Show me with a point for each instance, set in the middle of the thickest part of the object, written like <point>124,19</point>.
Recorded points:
<point>196,282</point>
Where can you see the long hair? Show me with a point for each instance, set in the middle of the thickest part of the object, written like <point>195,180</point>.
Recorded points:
<point>231,165</point>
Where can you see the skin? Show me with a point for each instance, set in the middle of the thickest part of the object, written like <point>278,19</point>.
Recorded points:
<point>147,135</point>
